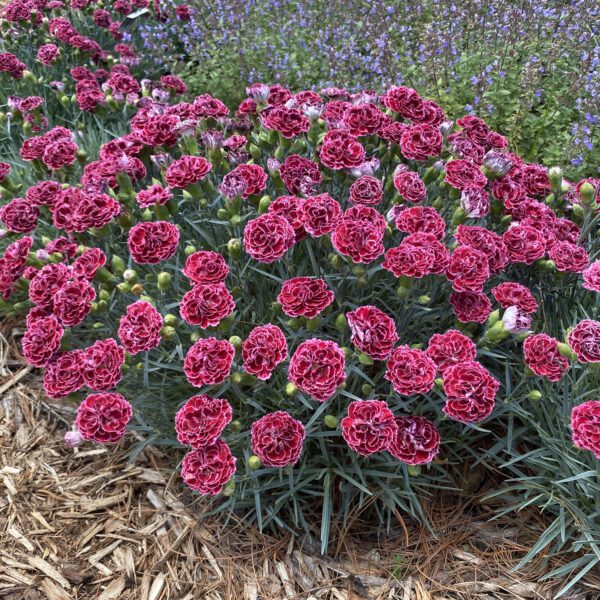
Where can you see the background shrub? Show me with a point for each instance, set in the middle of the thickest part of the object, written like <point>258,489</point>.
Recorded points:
<point>529,68</point>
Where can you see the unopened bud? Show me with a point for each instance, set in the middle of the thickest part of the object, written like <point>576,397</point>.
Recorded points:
<point>291,389</point>
<point>366,390</point>
<point>130,275</point>
<point>263,205</point>
<point>229,488</point>
<point>168,332</point>
<point>170,320</point>
<point>555,176</point>
<point>535,395</point>
<point>587,193</point>
<point>234,248</point>
<point>330,421</point>
<point>254,462</point>
<point>313,324</point>
<point>236,341</point>
<point>365,359</point>
<point>341,322</point>
<point>164,281</point>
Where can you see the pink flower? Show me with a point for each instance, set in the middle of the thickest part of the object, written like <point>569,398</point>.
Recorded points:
<point>421,142</point>
<point>591,277</point>
<point>373,332</point>
<point>187,170</point>
<point>585,424</point>
<point>102,362</point>
<point>206,267</point>
<point>470,392</point>
<point>268,237</point>
<point>139,327</point>
<point>569,257</point>
<point>299,174</point>
<point>369,427</point>
<point>318,368</point>
<point>208,362</point>
<point>416,442</point>
<point>41,340</point>
<point>153,195</point>
<point>470,307</point>
<point>63,374</point>
<point>584,340</point>
<point>341,150</point>
<point>19,215</point>
<point>277,439</point>
<point>102,418</point>
<point>73,302</point>
<point>543,358</point>
<point>410,186</point>
<point>201,420</point>
<point>263,349</point>
<point>468,269</point>
<point>462,174</point>
<point>366,190</point>
<point>410,371</point>
<point>207,470</point>
<point>486,241</point>
<point>154,242</point>
<point>304,296</point>
<point>524,244</point>
<point>420,219</point>
<point>450,348</point>
<point>206,305</point>
<point>510,293</point>
<point>320,214</point>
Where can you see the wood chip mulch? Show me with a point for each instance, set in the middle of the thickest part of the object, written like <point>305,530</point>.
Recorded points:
<point>89,524</point>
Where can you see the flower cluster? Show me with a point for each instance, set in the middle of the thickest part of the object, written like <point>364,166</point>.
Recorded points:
<point>355,255</point>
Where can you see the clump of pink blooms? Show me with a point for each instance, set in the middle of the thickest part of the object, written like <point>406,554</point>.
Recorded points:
<point>297,187</point>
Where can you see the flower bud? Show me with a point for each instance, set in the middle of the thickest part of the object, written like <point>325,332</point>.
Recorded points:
<point>330,421</point>
<point>263,205</point>
<point>234,248</point>
<point>366,390</point>
<point>137,289</point>
<point>236,341</point>
<point>236,426</point>
<point>313,324</point>
<point>290,389</point>
<point>168,332</point>
<point>164,281</point>
<point>189,249</point>
<point>254,463</point>
<point>124,286</point>
<point>555,176</point>
<point>341,322</point>
<point>229,488</point>
<point>117,263</point>
<point>565,350</point>
<point>535,395</point>
<point>130,275</point>
<point>336,261</point>
<point>587,193</point>
<point>365,359</point>
<point>73,438</point>
<point>170,319</point>
<point>29,77</point>
<point>424,300</point>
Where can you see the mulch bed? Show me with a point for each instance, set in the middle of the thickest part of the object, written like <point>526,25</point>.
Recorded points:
<point>87,523</point>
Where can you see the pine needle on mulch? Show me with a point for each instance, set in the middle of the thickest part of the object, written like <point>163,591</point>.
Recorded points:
<point>87,523</point>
